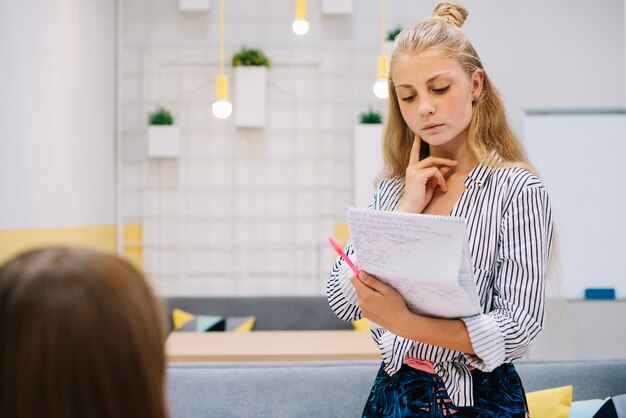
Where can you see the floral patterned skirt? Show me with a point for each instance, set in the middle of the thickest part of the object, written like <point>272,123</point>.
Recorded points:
<point>415,393</point>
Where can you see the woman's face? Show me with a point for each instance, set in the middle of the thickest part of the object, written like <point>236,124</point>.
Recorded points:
<point>435,96</point>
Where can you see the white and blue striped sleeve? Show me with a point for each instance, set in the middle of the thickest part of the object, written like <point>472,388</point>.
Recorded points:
<point>339,290</point>
<point>516,316</point>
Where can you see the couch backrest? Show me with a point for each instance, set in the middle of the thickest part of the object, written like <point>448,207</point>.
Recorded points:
<point>276,313</point>
<point>592,379</point>
<point>269,390</point>
<point>339,389</point>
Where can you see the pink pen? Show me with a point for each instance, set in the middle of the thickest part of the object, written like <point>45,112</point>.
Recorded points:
<point>343,255</point>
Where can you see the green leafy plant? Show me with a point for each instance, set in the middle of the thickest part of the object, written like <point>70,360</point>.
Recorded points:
<point>161,116</point>
<point>249,56</point>
<point>391,34</point>
<point>371,117</point>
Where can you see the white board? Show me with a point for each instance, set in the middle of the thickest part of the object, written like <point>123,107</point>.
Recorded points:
<point>580,156</point>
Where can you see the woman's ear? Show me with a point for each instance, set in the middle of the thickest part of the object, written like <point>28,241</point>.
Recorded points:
<point>478,77</point>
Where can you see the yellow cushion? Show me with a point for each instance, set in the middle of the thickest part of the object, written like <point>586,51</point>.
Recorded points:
<point>361,325</point>
<point>550,403</point>
<point>180,318</point>
<point>246,326</point>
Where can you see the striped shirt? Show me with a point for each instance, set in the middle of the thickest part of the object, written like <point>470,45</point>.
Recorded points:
<point>509,230</point>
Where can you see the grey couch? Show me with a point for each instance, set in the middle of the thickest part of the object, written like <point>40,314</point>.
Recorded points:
<point>276,313</point>
<point>339,389</point>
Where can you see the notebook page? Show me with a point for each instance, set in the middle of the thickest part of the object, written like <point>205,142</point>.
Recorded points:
<point>420,256</point>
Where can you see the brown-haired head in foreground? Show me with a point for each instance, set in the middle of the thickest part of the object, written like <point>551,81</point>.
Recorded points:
<point>81,335</point>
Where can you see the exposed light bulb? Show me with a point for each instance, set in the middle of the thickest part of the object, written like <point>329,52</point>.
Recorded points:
<point>300,27</point>
<point>380,89</point>
<point>222,109</point>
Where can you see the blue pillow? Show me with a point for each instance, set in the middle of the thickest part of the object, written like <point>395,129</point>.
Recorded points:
<point>585,409</point>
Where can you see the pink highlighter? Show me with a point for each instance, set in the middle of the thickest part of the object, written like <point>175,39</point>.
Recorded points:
<point>343,255</point>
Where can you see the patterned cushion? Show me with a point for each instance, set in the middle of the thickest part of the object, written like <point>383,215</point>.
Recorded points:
<point>185,321</point>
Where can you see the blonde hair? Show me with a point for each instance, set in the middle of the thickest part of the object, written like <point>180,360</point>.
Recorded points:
<point>489,130</point>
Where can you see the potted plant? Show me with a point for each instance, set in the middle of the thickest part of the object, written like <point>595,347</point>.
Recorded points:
<point>367,152</point>
<point>250,87</point>
<point>163,135</point>
<point>371,117</point>
<point>391,36</point>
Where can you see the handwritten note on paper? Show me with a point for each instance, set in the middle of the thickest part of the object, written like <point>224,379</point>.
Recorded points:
<point>423,257</point>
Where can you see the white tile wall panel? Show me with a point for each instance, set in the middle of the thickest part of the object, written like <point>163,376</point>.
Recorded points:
<point>280,204</point>
<point>307,202</point>
<point>200,204</point>
<point>195,27</point>
<point>283,117</point>
<point>162,173</point>
<point>253,207</point>
<point>131,61</point>
<point>280,287</point>
<point>167,287</point>
<point>150,204</point>
<point>307,144</point>
<point>208,233</point>
<point>250,232</point>
<point>343,173</point>
<point>133,117</point>
<point>213,263</point>
<point>306,231</point>
<point>281,174</point>
<point>196,82</point>
<point>221,143</point>
<point>327,202</point>
<point>134,32</point>
<point>198,145</point>
<point>251,287</point>
<point>308,116</point>
<point>279,145</point>
<point>131,206</point>
<point>131,87</point>
<point>134,148</point>
<point>168,232</point>
<point>309,287</point>
<point>195,286</point>
<point>132,174</point>
<point>250,203</point>
<point>306,173</point>
<point>219,287</point>
<point>306,259</point>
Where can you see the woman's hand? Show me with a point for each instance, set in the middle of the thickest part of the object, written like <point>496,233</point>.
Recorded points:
<point>422,178</point>
<point>379,302</point>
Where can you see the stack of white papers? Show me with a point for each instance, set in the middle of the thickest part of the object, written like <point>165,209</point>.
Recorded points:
<point>424,257</point>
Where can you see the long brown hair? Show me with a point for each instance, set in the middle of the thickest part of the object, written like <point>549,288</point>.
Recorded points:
<point>81,335</point>
<point>488,130</point>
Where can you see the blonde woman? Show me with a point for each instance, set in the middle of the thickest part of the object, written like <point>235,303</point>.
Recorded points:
<point>448,150</point>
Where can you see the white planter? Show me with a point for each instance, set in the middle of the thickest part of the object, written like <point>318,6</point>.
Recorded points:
<point>337,7</point>
<point>250,99</point>
<point>368,160</point>
<point>194,5</point>
<point>163,141</point>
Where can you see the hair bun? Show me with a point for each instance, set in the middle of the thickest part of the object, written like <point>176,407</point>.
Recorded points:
<point>452,13</point>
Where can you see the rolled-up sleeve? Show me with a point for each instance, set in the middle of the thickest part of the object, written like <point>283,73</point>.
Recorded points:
<point>339,290</point>
<point>516,316</point>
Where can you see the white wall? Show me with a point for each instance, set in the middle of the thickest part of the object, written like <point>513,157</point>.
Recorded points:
<point>248,211</point>
<point>57,113</point>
